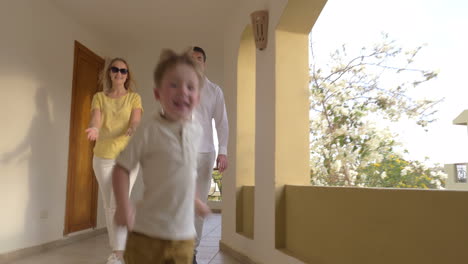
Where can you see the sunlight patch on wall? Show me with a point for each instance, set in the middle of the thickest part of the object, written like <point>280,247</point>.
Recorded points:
<point>18,107</point>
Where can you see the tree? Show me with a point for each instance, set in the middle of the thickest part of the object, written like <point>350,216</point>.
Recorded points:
<point>347,95</point>
<point>395,171</point>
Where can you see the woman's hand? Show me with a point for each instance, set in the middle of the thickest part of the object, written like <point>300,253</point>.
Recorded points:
<point>130,131</point>
<point>135,119</point>
<point>93,133</point>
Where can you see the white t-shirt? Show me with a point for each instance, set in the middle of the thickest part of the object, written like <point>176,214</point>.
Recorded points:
<point>212,106</point>
<point>167,152</point>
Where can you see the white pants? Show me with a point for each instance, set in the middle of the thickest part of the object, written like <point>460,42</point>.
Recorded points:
<point>204,171</point>
<point>103,171</point>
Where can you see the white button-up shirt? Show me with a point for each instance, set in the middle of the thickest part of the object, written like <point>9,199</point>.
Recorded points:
<point>211,107</point>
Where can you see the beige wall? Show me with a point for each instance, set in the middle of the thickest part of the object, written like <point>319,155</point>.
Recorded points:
<point>36,67</point>
<point>143,56</point>
<point>36,64</point>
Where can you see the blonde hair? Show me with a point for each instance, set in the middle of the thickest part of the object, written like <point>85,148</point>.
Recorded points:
<point>106,81</point>
<point>169,59</point>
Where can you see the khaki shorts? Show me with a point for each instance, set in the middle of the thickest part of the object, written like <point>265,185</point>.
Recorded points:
<point>142,249</point>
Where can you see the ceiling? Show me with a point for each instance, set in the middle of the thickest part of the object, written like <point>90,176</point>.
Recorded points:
<point>138,19</point>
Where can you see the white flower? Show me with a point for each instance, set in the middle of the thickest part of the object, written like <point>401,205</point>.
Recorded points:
<point>404,171</point>
<point>344,111</point>
<point>336,166</point>
<point>340,131</point>
<point>441,174</point>
<point>383,175</point>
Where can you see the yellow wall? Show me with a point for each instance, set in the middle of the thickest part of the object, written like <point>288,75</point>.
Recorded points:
<point>357,225</point>
<point>292,103</point>
<point>245,149</point>
<point>245,213</point>
<point>292,109</point>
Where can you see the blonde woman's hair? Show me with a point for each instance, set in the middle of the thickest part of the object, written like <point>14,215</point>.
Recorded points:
<point>169,59</point>
<point>106,81</point>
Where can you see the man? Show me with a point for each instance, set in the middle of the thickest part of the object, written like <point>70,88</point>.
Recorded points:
<point>211,107</point>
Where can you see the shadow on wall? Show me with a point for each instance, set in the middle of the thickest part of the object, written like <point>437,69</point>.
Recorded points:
<point>40,151</point>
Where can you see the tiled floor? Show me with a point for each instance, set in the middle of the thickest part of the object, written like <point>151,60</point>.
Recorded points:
<point>95,250</point>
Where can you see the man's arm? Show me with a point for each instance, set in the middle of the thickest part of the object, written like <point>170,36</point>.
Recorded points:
<point>222,130</point>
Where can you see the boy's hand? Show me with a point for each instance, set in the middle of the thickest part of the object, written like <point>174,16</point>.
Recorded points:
<point>201,209</point>
<point>125,217</point>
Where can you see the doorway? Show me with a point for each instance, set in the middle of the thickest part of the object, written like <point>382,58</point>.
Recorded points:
<point>82,187</point>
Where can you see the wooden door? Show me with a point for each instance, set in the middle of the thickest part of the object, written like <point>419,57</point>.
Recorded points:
<point>82,187</point>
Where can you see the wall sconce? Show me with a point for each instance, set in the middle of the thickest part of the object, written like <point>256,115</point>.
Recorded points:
<point>260,28</point>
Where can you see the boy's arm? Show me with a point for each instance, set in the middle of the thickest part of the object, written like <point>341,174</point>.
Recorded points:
<point>124,214</point>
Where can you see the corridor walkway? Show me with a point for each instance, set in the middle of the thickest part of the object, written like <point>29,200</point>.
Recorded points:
<point>95,250</point>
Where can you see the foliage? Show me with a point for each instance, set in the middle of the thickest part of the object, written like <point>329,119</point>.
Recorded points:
<point>347,95</point>
<point>394,171</point>
<point>218,179</point>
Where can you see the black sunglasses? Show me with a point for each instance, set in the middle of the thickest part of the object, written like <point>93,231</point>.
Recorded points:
<point>116,70</point>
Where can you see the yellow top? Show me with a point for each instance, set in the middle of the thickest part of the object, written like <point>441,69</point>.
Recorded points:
<point>115,118</point>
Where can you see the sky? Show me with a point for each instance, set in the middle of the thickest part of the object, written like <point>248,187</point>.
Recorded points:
<point>440,24</point>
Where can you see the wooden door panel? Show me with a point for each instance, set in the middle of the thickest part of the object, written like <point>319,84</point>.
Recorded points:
<point>82,186</point>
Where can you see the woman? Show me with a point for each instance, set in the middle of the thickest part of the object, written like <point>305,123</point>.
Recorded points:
<point>115,115</point>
